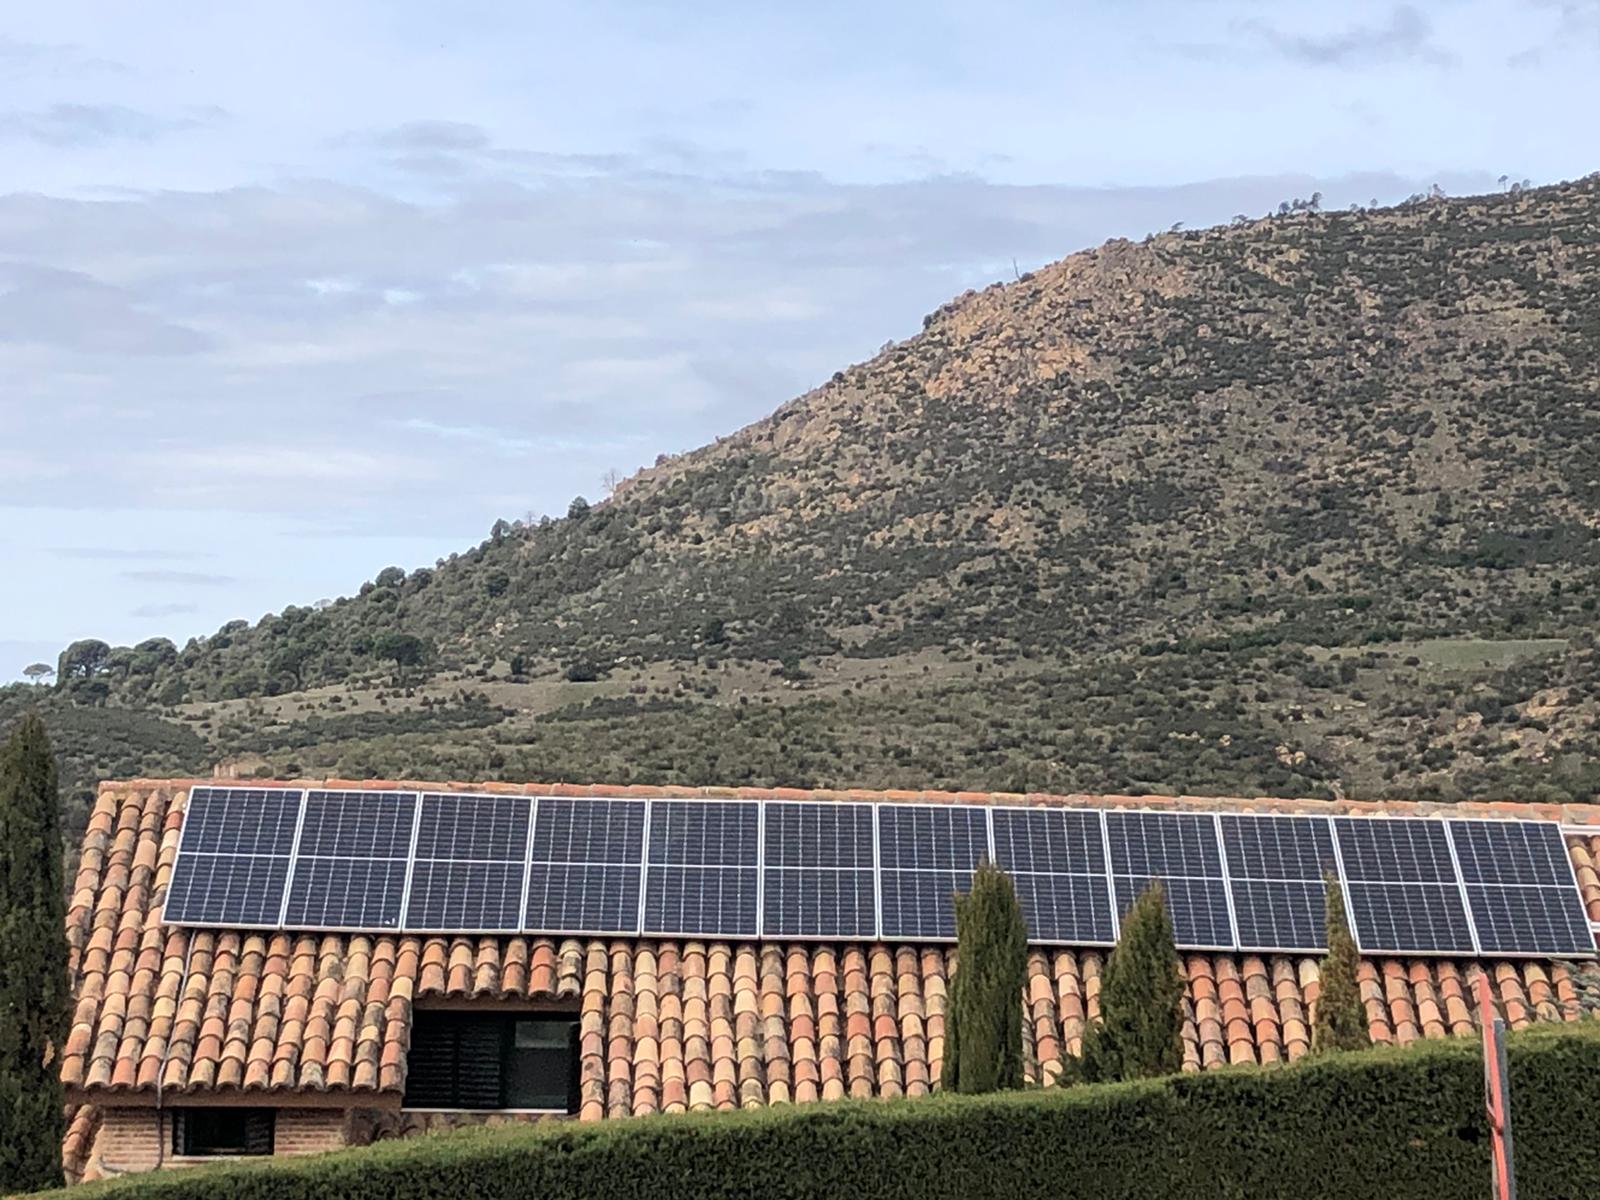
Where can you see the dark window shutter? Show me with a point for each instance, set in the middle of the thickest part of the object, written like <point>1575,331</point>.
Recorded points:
<point>258,1131</point>
<point>431,1062</point>
<point>479,1050</point>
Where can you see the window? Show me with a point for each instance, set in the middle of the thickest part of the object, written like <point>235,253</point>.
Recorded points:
<point>206,1131</point>
<point>493,1060</point>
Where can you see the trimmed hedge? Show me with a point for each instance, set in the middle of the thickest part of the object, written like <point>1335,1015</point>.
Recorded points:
<point>1398,1124</point>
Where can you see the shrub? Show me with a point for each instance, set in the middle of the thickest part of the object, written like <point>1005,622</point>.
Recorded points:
<point>983,1034</point>
<point>1401,1124</point>
<point>1141,1000</point>
<point>34,996</point>
<point>1341,1022</point>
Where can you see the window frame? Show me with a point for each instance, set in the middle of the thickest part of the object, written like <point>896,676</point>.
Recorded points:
<point>187,1144</point>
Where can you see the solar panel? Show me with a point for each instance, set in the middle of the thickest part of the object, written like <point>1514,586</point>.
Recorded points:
<point>926,854</point>
<point>1057,861</point>
<point>702,875</point>
<point>1401,885</point>
<point>351,865</point>
<point>818,877</point>
<point>1275,867</point>
<point>1180,851</point>
<point>226,889</point>
<point>1521,889</point>
<point>585,859</point>
<point>233,856</point>
<point>470,864</point>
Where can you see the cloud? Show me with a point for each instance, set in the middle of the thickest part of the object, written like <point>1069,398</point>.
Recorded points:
<point>45,305</point>
<point>416,136</point>
<point>53,58</point>
<point>126,554</point>
<point>187,578</point>
<point>79,126</point>
<point>150,611</point>
<point>1406,35</point>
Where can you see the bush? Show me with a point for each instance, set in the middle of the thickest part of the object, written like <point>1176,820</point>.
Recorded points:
<point>983,1034</point>
<point>1140,1033</point>
<point>1341,1022</point>
<point>1400,1124</point>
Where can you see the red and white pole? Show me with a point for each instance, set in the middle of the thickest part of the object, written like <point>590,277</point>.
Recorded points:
<point>1497,1095</point>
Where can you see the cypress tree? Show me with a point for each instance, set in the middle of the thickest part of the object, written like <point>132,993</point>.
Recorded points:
<point>1341,1022</point>
<point>983,1025</point>
<point>1141,1000</point>
<point>34,991</point>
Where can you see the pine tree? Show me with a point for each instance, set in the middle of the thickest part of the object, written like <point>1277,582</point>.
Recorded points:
<point>1341,1022</point>
<point>34,992</point>
<point>983,1026</point>
<point>1141,1000</point>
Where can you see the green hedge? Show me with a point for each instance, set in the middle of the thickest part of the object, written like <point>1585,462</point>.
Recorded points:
<point>1395,1124</point>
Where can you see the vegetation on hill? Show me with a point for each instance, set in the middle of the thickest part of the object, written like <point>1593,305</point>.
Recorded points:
<point>1309,504</point>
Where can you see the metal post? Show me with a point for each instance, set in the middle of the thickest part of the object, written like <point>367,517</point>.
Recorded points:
<point>1497,1096</point>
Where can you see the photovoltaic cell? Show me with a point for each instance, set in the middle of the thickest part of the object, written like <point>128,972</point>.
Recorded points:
<point>233,857</point>
<point>702,874</point>
<point>1511,852</point>
<point>818,880</point>
<point>1409,918</point>
<point>1179,851</point>
<point>1520,888</point>
<point>1056,841</point>
<point>1540,921</point>
<point>583,898</point>
<point>700,901</point>
<point>1163,844</point>
<point>932,836</point>
<point>1277,847</point>
<point>477,897</point>
<point>1394,849</point>
<point>469,864</point>
<point>1401,885</point>
<point>927,853</point>
<point>1276,866</point>
<point>1057,861</point>
<point>354,852</point>
<point>920,905</point>
<point>585,864</point>
<point>582,830</point>
<point>358,824</point>
<point>704,832</point>
<point>473,828</point>
<point>240,821</point>
<point>1066,909</point>
<point>1198,908</point>
<point>346,893</point>
<point>226,889</point>
<point>1281,914</point>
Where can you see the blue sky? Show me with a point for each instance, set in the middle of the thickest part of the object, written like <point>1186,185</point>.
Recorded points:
<point>292,294</point>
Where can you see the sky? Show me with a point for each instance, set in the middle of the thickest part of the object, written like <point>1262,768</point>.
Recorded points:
<point>292,293</point>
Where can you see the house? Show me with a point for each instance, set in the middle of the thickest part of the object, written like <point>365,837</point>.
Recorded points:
<point>187,1042</point>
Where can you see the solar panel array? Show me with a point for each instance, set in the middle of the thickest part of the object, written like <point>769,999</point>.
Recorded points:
<point>463,863</point>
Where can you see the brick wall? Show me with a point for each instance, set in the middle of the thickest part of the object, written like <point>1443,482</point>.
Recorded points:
<point>134,1139</point>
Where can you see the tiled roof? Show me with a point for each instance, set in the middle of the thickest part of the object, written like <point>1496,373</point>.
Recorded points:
<point>665,1025</point>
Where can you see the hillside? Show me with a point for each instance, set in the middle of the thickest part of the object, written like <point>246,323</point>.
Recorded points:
<point>1307,504</point>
